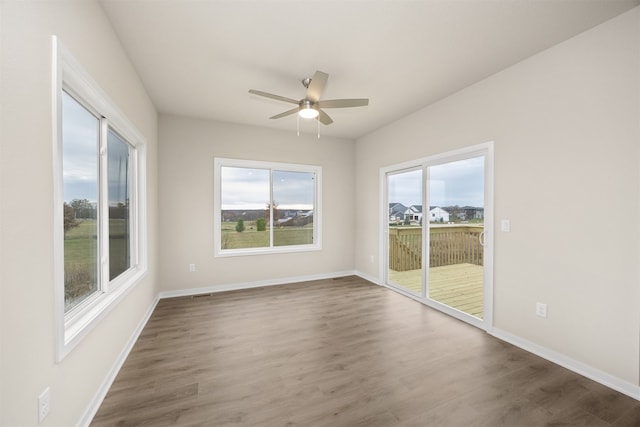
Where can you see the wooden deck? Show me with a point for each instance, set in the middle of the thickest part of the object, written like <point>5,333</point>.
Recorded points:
<point>458,286</point>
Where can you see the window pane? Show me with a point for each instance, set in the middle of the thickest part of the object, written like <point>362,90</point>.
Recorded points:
<point>80,136</point>
<point>293,195</point>
<point>119,224</point>
<point>404,193</point>
<point>245,201</point>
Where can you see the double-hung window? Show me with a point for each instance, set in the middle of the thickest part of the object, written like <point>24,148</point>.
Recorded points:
<point>99,202</point>
<point>266,207</point>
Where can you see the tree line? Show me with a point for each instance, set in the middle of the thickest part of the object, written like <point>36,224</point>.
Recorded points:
<point>80,209</point>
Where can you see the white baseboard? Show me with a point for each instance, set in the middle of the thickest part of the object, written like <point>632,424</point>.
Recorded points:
<point>92,409</point>
<point>249,285</point>
<point>590,372</point>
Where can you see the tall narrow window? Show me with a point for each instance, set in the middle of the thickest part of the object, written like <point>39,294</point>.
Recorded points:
<point>99,187</point>
<point>83,210</point>
<point>266,207</point>
<point>80,147</point>
<point>86,245</point>
<point>119,222</point>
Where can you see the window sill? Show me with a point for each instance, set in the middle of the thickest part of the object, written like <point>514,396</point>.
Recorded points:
<point>79,322</point>
<point>222,253</point>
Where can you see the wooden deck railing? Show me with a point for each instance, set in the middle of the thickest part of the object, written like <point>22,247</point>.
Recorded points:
<point>449,244</point>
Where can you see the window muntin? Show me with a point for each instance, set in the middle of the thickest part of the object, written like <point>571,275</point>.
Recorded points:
<point>264,207</point>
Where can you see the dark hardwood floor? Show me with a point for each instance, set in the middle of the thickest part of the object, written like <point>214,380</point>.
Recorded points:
<point>340,352</point>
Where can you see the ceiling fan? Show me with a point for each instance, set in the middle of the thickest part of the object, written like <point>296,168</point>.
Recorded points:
<point>311,106</point>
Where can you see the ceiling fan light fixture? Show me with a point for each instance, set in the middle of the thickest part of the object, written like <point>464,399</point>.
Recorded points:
<point>311,106</point>
<point>308,113</point>
<point>307,110</point>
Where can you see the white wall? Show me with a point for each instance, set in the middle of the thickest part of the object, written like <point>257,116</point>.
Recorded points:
<point>566,129</point>
<point>187,150</point>
<point>26,274</point>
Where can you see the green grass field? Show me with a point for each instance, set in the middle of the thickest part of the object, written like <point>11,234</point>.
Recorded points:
<point>80,262</point>
<point>251,238</point>
<point>81,257</point>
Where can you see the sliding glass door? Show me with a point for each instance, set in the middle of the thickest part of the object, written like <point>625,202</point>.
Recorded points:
<point>438,215</point>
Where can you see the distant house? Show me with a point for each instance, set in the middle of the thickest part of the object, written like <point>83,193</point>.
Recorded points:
<point>475,213</point>
<point>396,212</point>
<point>295,218</point>
<point>413,213</point>
<point>437,214</point>
<point>471,212</point>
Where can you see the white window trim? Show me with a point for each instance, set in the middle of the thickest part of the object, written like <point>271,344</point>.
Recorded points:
<point>217,197</point>
<point>73,326</point>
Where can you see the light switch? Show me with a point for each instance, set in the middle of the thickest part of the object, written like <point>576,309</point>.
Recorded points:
<point>541,309</point>
<point>505,226</point>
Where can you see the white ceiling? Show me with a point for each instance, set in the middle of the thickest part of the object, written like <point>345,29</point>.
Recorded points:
<point>200,58</point>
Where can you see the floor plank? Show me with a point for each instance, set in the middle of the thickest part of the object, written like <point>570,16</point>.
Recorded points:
<point>339,352</point>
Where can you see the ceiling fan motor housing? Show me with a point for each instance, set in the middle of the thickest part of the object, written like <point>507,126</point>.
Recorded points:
<point>305,103</point>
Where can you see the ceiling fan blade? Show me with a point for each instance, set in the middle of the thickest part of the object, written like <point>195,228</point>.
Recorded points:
<point>286,113</point>
<point>343,103</point>
<point>324,118</point>
<point>272,96</point>
<point>316,87</point>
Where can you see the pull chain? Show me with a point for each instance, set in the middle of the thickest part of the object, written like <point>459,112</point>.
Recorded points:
<point>298,125</point>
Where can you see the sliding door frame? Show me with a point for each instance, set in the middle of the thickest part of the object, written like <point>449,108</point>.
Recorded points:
<point>484,149</point>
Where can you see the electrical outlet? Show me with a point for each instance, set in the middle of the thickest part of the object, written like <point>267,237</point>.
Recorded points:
<point>192,268</point>
<point>44,404</point>
<point>541,309</point>
<point>505,226</point>
<point>371,259</point>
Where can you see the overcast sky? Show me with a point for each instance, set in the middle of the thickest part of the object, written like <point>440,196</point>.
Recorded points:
<point>80,135</point>
<point>458,183</point>
<point>244,188</point>
<point>80,130</point>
